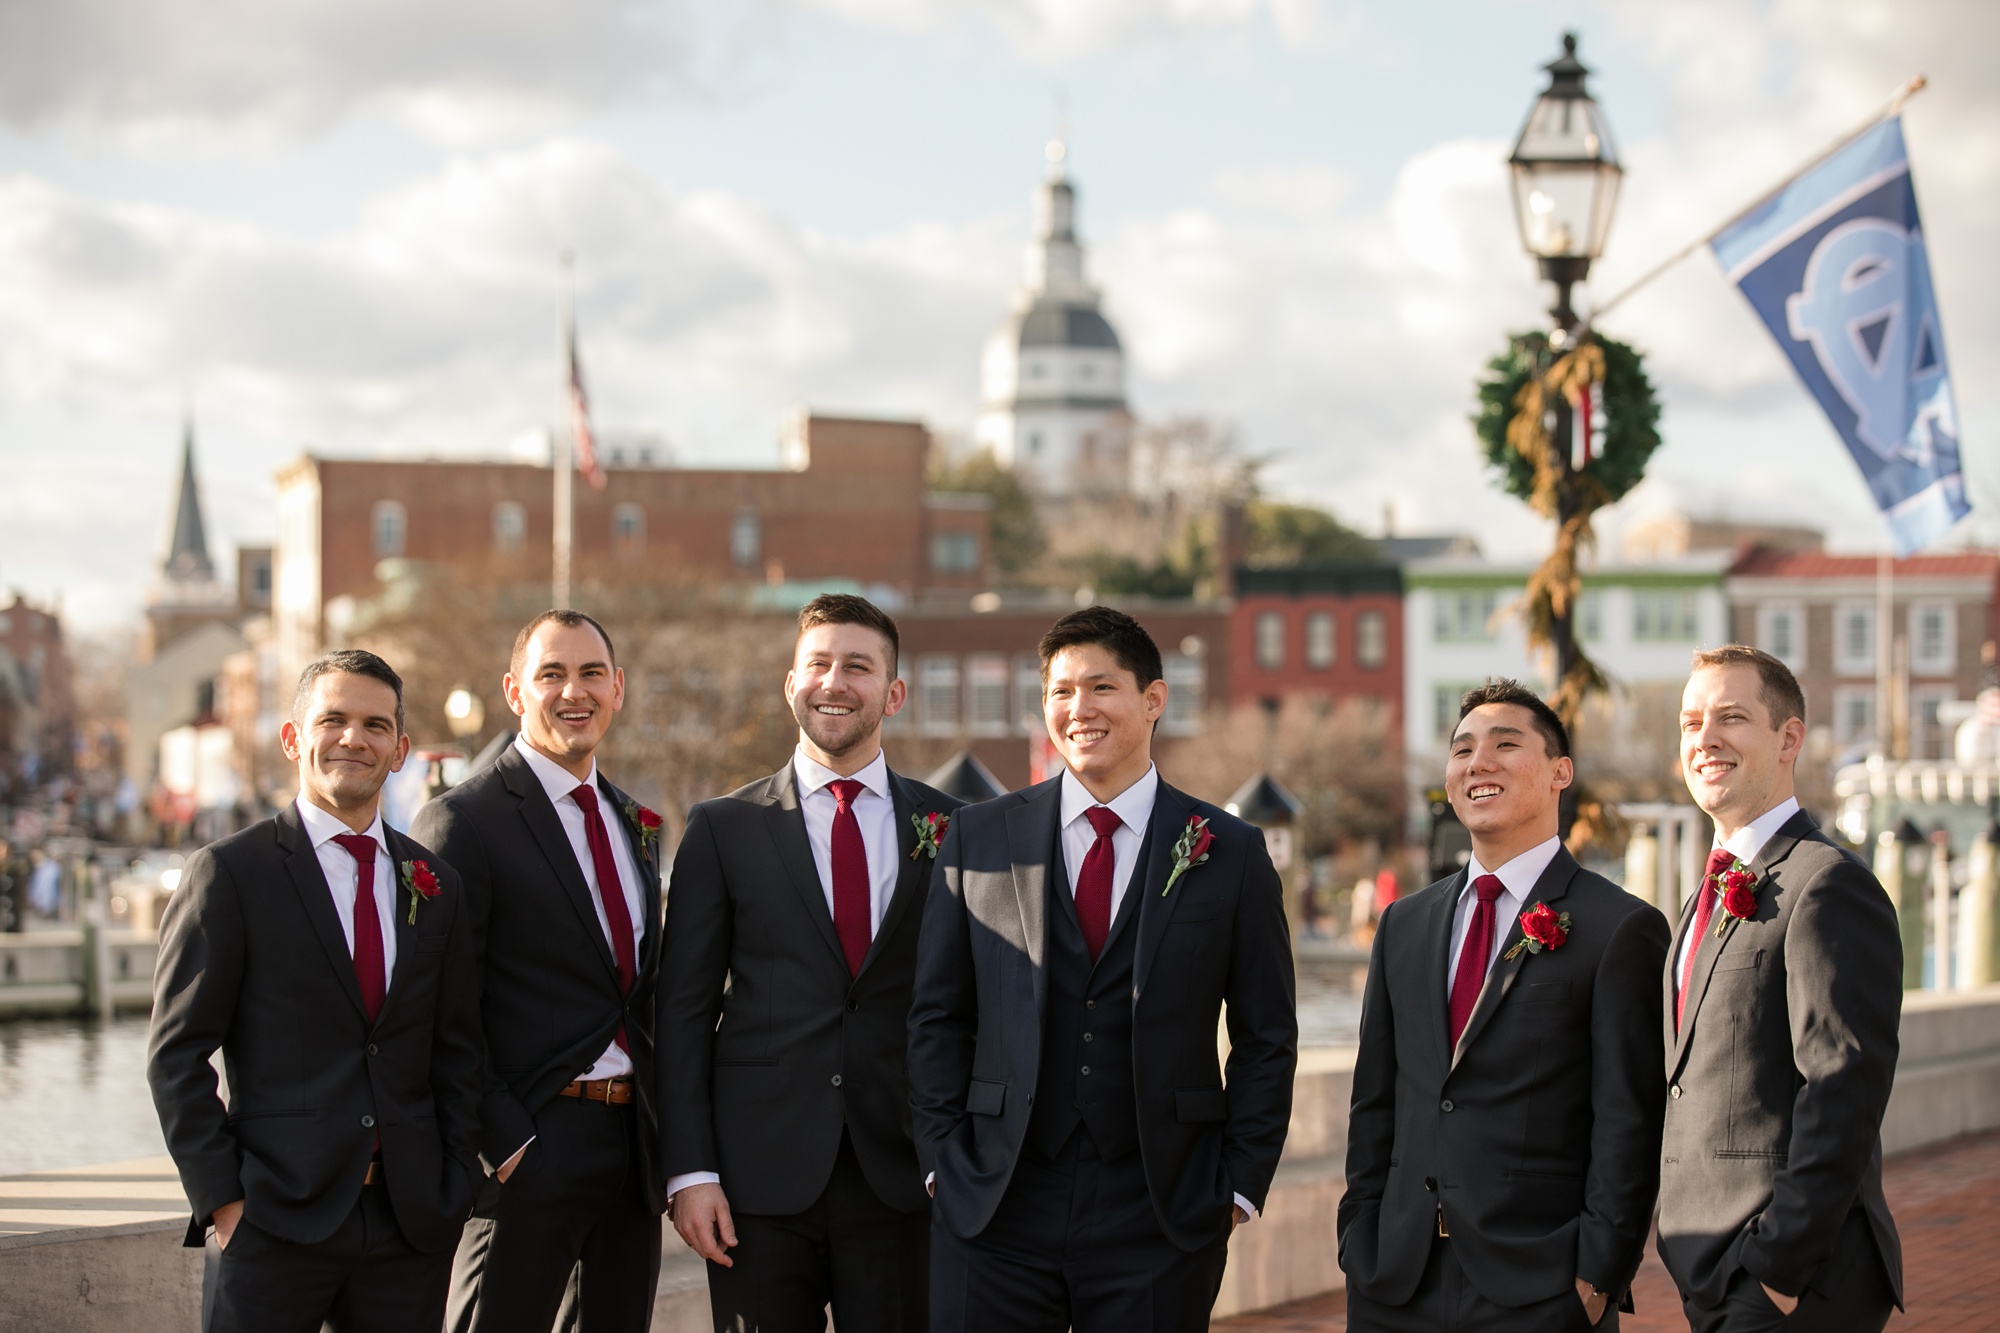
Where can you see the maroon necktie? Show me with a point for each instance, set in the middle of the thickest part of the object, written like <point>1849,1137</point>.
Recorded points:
<point>851,898</point>
<point>1719,860</point>
<point>369,972</point>
<point>610,892</point>
<point>1475,956</point>
<point>1093,881</point>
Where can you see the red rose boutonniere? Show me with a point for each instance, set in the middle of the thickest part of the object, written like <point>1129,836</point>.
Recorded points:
<point>1190,851</point>
<point>930,832</point>
<point>1738,888</point>
<point>421,883</point>
<point>1542,927</point>
<point>648,825</point>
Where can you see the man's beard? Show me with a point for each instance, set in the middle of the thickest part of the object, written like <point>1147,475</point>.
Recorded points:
<point>836,736</point>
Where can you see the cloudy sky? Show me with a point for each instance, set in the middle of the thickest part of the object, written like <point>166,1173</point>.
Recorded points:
<point>334,225</point>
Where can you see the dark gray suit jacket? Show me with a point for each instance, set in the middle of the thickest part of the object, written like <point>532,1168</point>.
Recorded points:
<point>1780,1075</point>
<point>1539,1135</point>
<point>548,978</point>
<point>253,960</point>
<point>976,1025</point>
<point>757,1080</point>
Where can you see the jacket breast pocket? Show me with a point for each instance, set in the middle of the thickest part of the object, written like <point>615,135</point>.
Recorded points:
<point>430,944</point>
<point>1191,912</point>
<point>1745,961</point>
<point>985,1097</point>
<point>1540,992</point>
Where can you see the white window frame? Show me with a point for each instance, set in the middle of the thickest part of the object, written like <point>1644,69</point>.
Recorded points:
<point>388,529</point>
<point>1590,615</point>
<point>1444,707</point>
<point>1464,615</point>
<point>510,526</point>
<point>1371,640</point>
<point>1665,615</point>
<point>955,552</point>
<point>1925,698</point>
<point>1792,615</point>
<point>746,539</point>
<point>1322,646</point>
<point>1846,663</point>
<point>1028,694</point>
<point>1268,640</point>
<point>1849,702</point>
<point>628,527</point>
<point>1187,686</point>
<point>1942,660</point>
<point>988,694</point>
<point>937,694</point>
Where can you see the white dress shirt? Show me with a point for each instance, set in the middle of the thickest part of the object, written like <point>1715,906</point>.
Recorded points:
<point>875,812</point>
<point>1134,808</point>
<point>343,876</point>
<point>1744,845</point>
<point>1517,881</point>
<point>561,786</point>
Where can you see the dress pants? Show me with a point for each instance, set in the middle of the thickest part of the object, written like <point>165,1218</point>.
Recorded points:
<point>573,1203</point>
<point>1075,1244</point>
<point>364,1278</point>
<point>1858,1299</point>
<point>1445,1302</point>
<point>849,1250</point>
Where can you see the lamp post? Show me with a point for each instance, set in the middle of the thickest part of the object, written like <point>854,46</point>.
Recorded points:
<point>1565,175</point>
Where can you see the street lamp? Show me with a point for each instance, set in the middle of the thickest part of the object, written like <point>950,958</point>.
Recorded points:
<point>463,713</point>
<point>1565,175</point>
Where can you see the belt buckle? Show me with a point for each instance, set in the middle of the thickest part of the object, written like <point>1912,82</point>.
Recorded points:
<point>1444,1232</point>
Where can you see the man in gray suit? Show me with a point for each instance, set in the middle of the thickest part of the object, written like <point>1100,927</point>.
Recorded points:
<point>1782,1000</point>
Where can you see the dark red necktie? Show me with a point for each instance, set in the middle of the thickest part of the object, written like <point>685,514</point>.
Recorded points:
<point>611,893</point>
<point>852,907</point>
<point>1475,956</point>
<point>1093,881</point>
<point>1719,860</point>
<point>369,972</point>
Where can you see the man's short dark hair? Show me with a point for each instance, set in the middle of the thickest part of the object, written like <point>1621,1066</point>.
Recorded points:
<point>565,617</point>
<point>1500,690</point>
<point>346,662</point>
<point>1125,638</point>
<point>844,608</point>
<point>1783,698</point>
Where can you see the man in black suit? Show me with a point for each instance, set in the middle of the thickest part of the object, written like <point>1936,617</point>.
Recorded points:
<point>563,883</point>
<point>1782,1007</point>
<point>1502,1147</point>
<point>790,949</point>
<point>331,959</point>
<point>1082,939</point>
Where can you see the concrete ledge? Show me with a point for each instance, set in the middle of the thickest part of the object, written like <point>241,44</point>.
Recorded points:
<point>1948,1071</point>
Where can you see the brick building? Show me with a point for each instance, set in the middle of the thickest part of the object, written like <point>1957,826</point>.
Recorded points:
<point>35,700</point>
<point>1817,613</point>
<point>1334,631</point>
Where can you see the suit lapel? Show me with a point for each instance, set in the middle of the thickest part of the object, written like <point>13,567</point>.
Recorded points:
<point>1171,810</point>
<point>646,857</point>
<point>1715,939</point>
<point>1550,888</point>
<point>787,824</point>
<point>302,865</point>
<point>1437,951</point>
<point>400,923</point>
<point>1031,839</point>
<point>913,872</point>
<point>539,814</point>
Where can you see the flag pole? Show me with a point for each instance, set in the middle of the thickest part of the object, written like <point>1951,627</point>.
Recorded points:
<point>560,446</point>
<point>1882,113</point>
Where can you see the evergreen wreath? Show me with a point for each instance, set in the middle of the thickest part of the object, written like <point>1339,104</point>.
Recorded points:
<point>1631,412</point>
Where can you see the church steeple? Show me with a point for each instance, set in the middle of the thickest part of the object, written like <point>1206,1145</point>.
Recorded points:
<point>187,556</point>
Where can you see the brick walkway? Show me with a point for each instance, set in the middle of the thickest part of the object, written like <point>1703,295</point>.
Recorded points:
<point>1947,1205</point>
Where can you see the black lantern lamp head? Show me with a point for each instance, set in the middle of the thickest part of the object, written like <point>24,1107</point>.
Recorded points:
<point>1565,175</point>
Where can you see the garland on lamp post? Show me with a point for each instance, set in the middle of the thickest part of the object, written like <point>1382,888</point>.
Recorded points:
<point>1528,386</point>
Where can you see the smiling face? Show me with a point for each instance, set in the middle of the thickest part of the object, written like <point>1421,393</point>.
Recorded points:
<point>1736,761</point>
<point>840,687</point>
<point>565,693</point>
<point>1503,783</point>
<point>346,744</point>
<point>1100,719</point>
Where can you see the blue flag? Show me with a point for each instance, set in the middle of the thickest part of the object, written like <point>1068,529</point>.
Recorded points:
<point>1835,265</point>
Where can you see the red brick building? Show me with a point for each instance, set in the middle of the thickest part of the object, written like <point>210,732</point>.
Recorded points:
<point>35,704</point>
<point>1332,631</point>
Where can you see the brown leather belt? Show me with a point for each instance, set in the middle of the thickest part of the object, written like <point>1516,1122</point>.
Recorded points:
<point>374,1176</point>
<point>610,1091</point>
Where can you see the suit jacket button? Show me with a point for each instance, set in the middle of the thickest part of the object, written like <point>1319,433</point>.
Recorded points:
<point>836,1080</point>
<point>1431,1183</point>
<point>372,1050</point>
<point>1090,1004</point>
<point>1088,1037</point>
<point>1675,1092</point>
<point>854,1006</point>
<point>1445,1105</point>
<point>368,1122</point>
<point>1086,1069</point>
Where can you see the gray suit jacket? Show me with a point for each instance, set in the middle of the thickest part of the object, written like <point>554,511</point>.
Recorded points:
<point>976,1025</point>
<point>1779,1076</point>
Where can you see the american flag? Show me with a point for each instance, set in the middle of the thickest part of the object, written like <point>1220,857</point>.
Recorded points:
<point>579,407</point>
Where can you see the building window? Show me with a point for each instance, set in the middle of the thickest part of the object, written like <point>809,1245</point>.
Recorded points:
<point>1270,633</point>
<point>1854,639</point>
<point>1444,709</point>
<point>1664,616</point>
<point>510,526</point>
<point>955,552</point>
<point>899,724</point>
<point>937,694</point>
<point>1853,714</point>
<point>628,528</point>
<point>390,524</point>
<point>746,540</point>
<point>1933,645</point>
<point>1319,640</point>
<point>987,694</point>
<point>1371,639</point>
<point>1464,617</point>
<point>1590,617</point>
<point>1781,632</point>
<point>1187,681</point>
<point>1028,693</point>
<point>1930,738</point>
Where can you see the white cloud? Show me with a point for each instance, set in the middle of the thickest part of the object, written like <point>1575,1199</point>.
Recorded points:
<point>1065,29</point>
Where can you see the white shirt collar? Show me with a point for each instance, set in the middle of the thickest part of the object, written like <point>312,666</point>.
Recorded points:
<point>812,775</point>
<point>1519,875</point>
<point>556,780</point>
<point>1133,806</point>
<point>323,828</point>
<point>1746,842</point>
